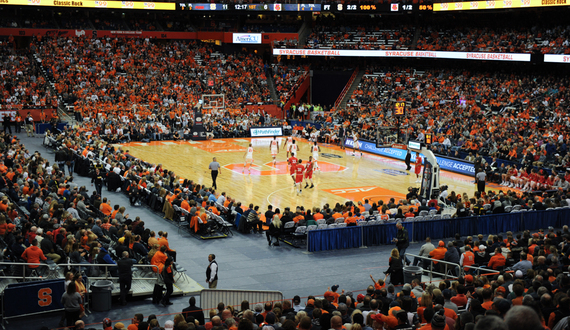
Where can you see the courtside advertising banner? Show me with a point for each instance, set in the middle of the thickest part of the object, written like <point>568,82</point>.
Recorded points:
<point>266,131</point>
<point>556,58</point>
<point>246,38</point>
<point>33,297</point>
<point>514,57</point>
<point>448,164</point>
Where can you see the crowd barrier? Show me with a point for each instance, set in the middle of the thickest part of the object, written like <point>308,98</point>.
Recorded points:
<point>209,298</point>
<point>358,236</point>
<point>41,128</point>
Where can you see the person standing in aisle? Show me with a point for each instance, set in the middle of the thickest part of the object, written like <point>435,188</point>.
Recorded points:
<point>125,276</point>
<point>212,272</point>
<point>168,276</point>
<point>98,181</point>
<point>30,125</point>
<point>216,169</point>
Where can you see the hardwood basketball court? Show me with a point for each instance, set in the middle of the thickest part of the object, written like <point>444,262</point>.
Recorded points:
<point>342,177</point>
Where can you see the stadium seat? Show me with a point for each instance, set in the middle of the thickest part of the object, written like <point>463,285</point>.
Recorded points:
<point>312,227</point>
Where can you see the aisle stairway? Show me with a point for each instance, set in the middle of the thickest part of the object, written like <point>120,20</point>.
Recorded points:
<point>63,107</point>
<point>352,88</point>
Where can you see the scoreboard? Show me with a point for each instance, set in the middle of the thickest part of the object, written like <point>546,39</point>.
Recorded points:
<point>380,8</point>
<point>271,7</point>
<point>400,109</point>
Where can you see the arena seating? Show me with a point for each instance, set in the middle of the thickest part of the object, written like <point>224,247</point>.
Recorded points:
<point>116,85</point>
<point>23,84</point>
<point>499,40</point>
<point>358,33</point>
<point>247,83</point>
<point>523,100</point>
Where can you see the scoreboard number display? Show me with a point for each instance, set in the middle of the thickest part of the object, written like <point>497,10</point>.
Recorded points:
<point>399,109</point>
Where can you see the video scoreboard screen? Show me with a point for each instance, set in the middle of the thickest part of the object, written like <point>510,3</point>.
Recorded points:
<point>381,8</point>
<point>271,7</point>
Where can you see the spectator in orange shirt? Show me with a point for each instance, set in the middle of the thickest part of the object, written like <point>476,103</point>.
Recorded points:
<point>350,220</point>
<point>163,241</point>
<point>105,207</point>
<point>33,254</point>
<point>439,254</point>
<point>487,299</point>
<point>498,260</point>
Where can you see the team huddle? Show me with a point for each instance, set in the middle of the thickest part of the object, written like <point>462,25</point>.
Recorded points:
<point>297,169</point>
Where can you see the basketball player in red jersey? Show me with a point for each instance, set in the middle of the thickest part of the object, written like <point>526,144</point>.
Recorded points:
<point>292,161</point>
<point>418,167</point>
<point>299,169</point>
<point>274,147</point>
<point>309,172</point>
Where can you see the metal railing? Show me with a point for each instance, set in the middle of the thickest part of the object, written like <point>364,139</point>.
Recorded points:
<point>473,270</point>
<point>52,268</point>
<point>448,266</point>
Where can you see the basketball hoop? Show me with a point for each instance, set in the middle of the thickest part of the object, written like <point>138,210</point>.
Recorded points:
<point>213,102</point>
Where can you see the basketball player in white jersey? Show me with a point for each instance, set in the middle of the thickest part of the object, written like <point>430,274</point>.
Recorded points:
<point>274,147</point>
<point>288,145</point>
<point>248,158</point>
<point>356,144</point>
<point>313,136</point>
<point>294,148</point>
<point>315,149</point>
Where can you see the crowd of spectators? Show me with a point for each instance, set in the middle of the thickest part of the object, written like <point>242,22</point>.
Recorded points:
<point>345,32</point>
<point>46,217</point>
<point>121,76</point>
<point>516,117</point>
<point>533,294</point>
<point>287,79</point>
<point>22,82</point>
<point>141,25</point>
<point>500,40</point>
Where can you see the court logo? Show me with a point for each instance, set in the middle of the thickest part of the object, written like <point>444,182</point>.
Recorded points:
<point>327,155</point>
<point>352,190</point>
<point>394,172</point>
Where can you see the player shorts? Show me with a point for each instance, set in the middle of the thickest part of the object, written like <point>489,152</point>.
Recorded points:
<point>288,147</point>
<point>315,156</point>
<point>299,178</point>
<point>309,175</point>
<point>273,152</point>
<point>249,160</point>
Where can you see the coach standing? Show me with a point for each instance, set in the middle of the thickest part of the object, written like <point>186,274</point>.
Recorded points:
<point>216,169</point>
<point>212,272</point>
<point>480,179</point>
<point>408,160</point>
